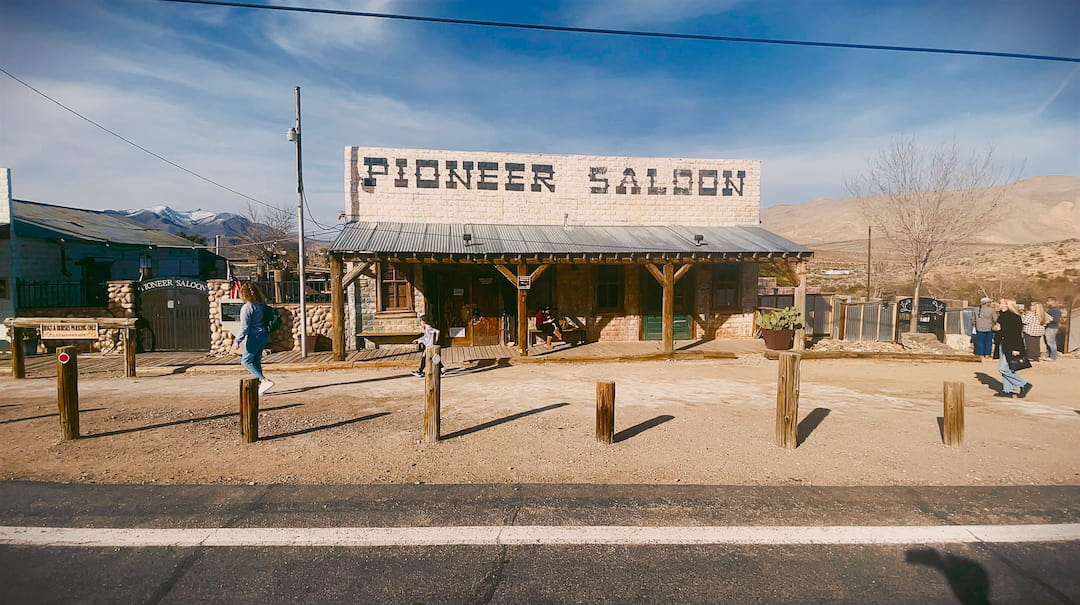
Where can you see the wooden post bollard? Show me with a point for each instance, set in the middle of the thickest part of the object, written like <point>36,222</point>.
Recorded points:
<point>67,392</point>
<point>18,356</point>
<point>787,401</point>
<point>432,394</point>
<point>605,411</point>
<point>127,339</point>
<point>953,425</point>
<point>249,410</point>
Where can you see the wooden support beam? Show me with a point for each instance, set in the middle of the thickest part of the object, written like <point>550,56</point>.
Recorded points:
<point>432,394</point>
<point>509,275</point>
<point>353,273</point>
<point>67,392</point>
<point>18,356</point>
<point>522,313</point>
<point>953,420</point>
<point>127,341</point>
<point>669,308</point>
<point>800,304</point>
<point>337,305</point>
<point>537,272</point>
<point>655,273</point>
<point>682,271</point>
<point>787,401</point>
<point>249,410</point>
<point>605,411</point>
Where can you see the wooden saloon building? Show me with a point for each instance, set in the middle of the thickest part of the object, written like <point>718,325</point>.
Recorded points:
<point>621,249</point>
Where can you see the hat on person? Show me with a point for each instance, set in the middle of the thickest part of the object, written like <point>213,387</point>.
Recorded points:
<point>984,300</point>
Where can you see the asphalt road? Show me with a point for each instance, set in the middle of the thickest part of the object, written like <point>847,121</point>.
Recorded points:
<point>966,571</point>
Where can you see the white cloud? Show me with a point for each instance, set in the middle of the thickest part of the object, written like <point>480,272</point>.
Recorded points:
<point>614,14</point>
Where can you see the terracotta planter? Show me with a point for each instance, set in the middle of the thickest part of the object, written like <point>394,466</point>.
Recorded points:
<point>778,340</point>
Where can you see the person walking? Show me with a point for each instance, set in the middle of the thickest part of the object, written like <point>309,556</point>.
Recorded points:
<point>985,318</point>
<point>253,334</point>
<point>1050,335</point>
<point>1035,320</point>
<point>429,337</point>
<point>1009,344</point>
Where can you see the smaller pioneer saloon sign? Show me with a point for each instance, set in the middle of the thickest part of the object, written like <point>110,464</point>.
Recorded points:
<point>67,331</point>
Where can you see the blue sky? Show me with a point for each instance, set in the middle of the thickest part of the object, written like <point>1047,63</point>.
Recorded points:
<point>211,88</point>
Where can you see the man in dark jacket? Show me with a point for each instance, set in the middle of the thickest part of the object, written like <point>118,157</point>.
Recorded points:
<point>1009,346</point>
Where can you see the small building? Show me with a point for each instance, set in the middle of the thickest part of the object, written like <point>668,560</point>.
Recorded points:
<point>59,260</point>
<point>621,248</point>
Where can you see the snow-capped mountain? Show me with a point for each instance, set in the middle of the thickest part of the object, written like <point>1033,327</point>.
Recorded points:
<point>192,222</point>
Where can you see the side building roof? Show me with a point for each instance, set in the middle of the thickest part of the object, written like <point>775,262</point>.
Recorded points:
<point>34,219</point>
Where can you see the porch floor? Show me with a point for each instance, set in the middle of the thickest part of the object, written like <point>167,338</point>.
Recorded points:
<point>157,363</point>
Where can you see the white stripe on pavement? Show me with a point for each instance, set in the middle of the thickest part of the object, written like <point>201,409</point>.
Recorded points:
<point>535,534</point>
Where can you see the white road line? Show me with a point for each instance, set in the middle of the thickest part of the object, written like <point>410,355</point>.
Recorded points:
<point>535,535</point>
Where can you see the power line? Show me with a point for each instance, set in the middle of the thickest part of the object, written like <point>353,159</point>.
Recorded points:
<point>138,146</point>
<point>623,32</point>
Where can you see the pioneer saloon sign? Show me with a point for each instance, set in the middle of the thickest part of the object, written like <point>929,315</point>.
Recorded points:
<point>174,282</point>
<point>417,185</point>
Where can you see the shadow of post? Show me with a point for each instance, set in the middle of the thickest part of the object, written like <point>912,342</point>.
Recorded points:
<point>185,421</point>
<point>941,427</point>
<point>640,427</point>
<point>967,578</point>
<point>808,424</point>
<point>325,426</point>
<point>503,420</point>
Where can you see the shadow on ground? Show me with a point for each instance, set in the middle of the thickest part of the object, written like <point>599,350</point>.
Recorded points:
<point>641,427</point>
<point>503,420</point>
<point>325,426</point>
<point>967,578</point>
<point>808,424</point>
<point>185,421</point>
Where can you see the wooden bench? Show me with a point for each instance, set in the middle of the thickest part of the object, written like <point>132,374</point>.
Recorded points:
<point>379,338</point>
<point>571,336</point>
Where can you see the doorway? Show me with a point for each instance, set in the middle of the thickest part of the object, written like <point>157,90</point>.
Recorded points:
<point>652,307</point>
<point>177,318</point>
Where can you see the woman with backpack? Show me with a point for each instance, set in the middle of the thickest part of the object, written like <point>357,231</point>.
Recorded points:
<point>253,333</point>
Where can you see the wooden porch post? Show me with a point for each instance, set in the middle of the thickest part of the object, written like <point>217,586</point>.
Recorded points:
<point>522,311</point>
<point>337,306</point>
<point>669,307</point>
<point>800,304</point>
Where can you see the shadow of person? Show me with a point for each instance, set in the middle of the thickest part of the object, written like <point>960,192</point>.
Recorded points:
<point>808,424</point>
<point>993,383</point>
<point>641,427</point>
<point>967,578</point>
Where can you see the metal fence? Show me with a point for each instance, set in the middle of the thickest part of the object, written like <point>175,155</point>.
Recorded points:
<point>870,321</point>
<point>35,294</point>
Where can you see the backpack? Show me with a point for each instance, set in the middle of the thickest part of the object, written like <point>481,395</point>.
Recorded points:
<point>271,318</point>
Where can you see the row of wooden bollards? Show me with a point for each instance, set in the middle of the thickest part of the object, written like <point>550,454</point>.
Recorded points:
<point>787,402</point>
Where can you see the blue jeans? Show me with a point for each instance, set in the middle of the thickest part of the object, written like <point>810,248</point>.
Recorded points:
<point>253,350</point>
<point>1010,380</point>
<point>1051,342</point>
<point>984,343</point>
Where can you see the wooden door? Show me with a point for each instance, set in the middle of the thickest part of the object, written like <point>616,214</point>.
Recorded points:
<point>486,324</point>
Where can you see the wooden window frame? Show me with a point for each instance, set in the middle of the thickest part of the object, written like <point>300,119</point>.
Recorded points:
<point>382,302</point>
<point>619,283</point>
<point>735,284</point>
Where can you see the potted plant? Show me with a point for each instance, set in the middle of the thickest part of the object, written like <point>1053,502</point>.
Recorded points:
<point>778,327</point>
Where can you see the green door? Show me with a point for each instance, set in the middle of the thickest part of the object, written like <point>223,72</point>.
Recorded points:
<point>652,306</point>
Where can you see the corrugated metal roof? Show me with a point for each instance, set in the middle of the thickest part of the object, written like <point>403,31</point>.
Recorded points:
<point>447,238</point>
<point>34,219</point>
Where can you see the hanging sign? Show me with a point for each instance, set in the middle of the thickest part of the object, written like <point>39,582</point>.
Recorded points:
<point>524,282</point>
<point>66,331</point>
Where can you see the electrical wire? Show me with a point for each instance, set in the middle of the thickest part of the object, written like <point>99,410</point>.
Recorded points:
<point>624,32</point>
<point>140,147</point>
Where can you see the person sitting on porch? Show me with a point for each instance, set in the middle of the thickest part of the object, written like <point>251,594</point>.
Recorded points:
<point>545,322</point>
<point>428,338</point>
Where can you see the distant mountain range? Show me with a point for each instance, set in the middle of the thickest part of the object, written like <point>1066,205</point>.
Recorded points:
<point>192,222</point>
<point>1035,210</point>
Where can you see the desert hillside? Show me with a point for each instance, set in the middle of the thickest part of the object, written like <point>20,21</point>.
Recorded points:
<point>1038,210</point>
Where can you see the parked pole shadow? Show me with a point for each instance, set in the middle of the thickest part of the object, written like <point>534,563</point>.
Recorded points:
<point>298,390</point>
<point>993,383</point>
<point>503,420</point>
<point>640,427</point>
<point>46,416</point>
<point>185,421</point>
<point>326,426</point>
<point>808,424</point>
<point>967,578</point>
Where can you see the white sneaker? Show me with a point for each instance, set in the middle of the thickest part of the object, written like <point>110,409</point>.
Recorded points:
<point>417,373</point>
<point>265,385</point>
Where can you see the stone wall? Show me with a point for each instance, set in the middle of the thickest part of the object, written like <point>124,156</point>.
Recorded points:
<point>287,338</point>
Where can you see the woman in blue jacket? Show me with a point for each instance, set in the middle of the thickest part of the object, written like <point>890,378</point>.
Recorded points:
<point>253,334</point>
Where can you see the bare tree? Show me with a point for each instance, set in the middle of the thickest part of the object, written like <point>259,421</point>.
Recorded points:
<point>270,238</point>
<point>927,202</point>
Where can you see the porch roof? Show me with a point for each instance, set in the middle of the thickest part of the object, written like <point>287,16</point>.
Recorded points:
<point>374,238</point>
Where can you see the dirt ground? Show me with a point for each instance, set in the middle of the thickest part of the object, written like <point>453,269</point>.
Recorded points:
<point>863,422</point>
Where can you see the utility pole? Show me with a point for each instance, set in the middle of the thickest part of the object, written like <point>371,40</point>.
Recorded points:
<point>294,136</point>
